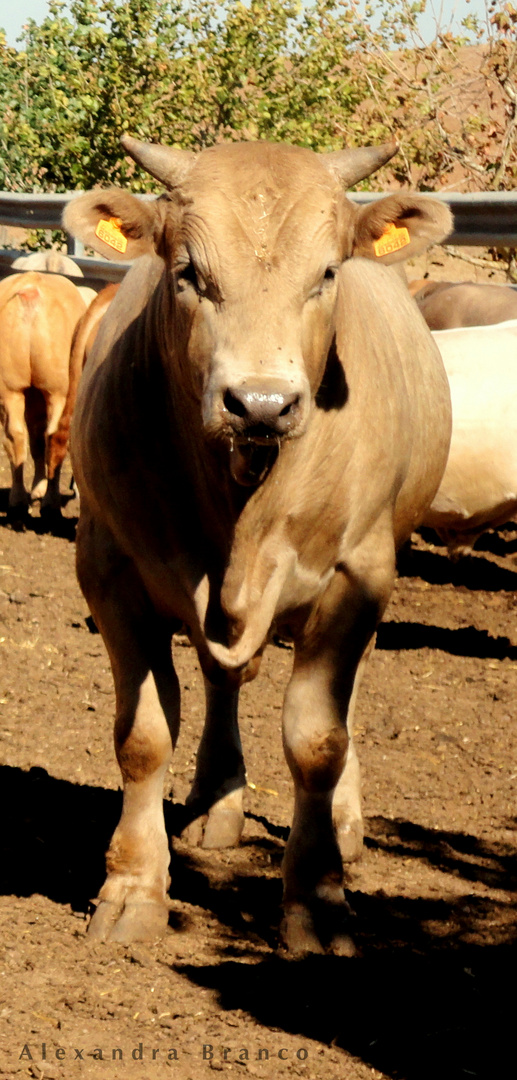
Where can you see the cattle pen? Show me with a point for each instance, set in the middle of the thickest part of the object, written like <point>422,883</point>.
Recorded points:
<point>434,895</point>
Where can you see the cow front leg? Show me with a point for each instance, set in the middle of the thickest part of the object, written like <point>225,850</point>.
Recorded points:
<point>346,803</point>
<point>132,904</point>
<point>316,745</point>
<point>318,703</point>
<point>215,800</point>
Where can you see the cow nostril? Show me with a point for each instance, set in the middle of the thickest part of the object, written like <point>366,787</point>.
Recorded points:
<point>290,405</point>
<point>264,404</point>
<point>233,405</point>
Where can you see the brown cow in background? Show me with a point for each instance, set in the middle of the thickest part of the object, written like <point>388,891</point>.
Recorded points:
<point>38,315</point>
<point>84,337</point>
<point>447,305</point>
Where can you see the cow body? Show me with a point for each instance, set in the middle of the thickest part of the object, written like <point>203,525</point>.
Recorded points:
<point>479,488</point>
<point>54,262</point>
<point>38,314</point>
<point>82,342</point>
<point>446,305</point>
<point>49,261</point>
<point>262,420</point>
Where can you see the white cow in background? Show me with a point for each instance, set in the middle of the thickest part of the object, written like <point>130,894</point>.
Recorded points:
<point>55,262</point>
<point>479,487</point>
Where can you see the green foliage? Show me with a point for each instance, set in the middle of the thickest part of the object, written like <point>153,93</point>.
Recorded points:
<point>185,73</point>
<point>194,72</point>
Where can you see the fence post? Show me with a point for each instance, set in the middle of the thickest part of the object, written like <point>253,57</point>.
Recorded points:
<point>74,247</point>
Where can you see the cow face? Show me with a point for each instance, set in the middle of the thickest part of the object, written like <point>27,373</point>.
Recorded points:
<point>253,236</point>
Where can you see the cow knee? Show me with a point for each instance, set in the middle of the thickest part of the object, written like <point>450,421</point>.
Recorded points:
<point>140,754</point>
<point>317,761</point>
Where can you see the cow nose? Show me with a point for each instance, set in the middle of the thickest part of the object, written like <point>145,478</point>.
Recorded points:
<point>269,408</point>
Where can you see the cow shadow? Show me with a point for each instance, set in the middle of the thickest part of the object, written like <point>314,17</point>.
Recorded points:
<point>59,831</point>
<point>426,998</point>
<point>411,1014</point>
<point>501,541</point>
<point>465,641</point>
<point>494,864</point>
<point>471,572</point>
<point>47,523</point>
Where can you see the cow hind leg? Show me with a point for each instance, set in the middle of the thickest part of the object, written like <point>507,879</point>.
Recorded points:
<point>36,418</point>
<point>132,904</point>
<point>15,442</point>
<point>55,451</point>
<point>215,801</point>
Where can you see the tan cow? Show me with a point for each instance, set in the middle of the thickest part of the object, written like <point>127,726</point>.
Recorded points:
<point>38,314</point>
<point>82,344</point>
<point>264,418</point>
<point>446,305</point>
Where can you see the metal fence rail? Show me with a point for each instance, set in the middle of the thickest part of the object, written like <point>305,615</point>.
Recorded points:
<point>480,220</point>
<point>97,272</point>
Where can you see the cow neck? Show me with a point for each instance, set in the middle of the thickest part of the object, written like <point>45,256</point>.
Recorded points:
<point>200,479</point>
<point>279,550</point>
<point>239,607</point>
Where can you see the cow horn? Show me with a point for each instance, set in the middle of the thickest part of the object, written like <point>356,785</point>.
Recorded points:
<point>166,164</point>
<point>354,165</point>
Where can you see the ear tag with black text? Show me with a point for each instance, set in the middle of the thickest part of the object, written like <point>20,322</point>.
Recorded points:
<point>391,240</point>
<point>111,233</point>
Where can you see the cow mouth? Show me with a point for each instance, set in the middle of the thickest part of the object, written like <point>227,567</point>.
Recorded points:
<point>251,459</point>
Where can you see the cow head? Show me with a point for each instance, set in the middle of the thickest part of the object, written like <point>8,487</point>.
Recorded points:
<point>252,236</point>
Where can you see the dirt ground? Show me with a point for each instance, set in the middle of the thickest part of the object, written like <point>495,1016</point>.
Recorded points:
<point>434,895</point>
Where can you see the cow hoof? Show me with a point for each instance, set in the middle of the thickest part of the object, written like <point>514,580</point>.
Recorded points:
<point>39,490</point>
<point>193,833</point>
<point>319,927</point>
<point>350,839</point>
<point>18,516</point>
<point>51,516</point>
<point>137,922</point>
<point>298,934</point>
<point>221,828</point>
<point>343,945</point>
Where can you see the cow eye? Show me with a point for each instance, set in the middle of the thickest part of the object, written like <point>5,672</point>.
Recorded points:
<point>330,273</point>
<point>187,275</point>
<point>324,282</point>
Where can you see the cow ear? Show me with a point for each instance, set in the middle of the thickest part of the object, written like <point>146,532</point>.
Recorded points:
<point>399,226</point>
<point>114,223</point>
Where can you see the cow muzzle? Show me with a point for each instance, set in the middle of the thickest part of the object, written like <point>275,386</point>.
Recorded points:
<point>255,417</point>
<point>260,414</point>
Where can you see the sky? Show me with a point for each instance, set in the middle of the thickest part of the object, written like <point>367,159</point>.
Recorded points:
<point>14,15</point>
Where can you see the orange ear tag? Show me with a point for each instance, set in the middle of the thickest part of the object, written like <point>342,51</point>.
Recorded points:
<point>111,233</point>
<point>391,240</point>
